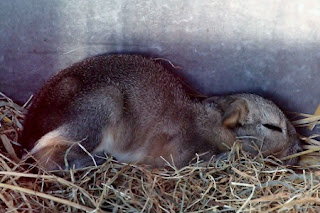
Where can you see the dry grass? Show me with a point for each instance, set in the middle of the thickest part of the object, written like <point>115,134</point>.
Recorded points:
<point>240,183</point>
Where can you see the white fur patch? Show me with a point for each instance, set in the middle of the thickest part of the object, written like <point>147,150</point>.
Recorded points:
<point>107,143</point>
<point>130,157</point>
<point>49,139</point>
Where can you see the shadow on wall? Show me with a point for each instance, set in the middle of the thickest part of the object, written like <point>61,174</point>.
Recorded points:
<point>287,76</point>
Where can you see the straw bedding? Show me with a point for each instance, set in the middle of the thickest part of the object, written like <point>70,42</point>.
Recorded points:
<point>239,183</point>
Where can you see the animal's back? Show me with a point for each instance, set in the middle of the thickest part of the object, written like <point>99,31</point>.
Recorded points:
<point>140,86</point>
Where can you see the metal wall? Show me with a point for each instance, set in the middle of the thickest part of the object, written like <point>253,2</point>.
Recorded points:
<point>267,47</point>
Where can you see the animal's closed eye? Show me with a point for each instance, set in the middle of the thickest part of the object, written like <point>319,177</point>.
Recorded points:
<point>272,127</point>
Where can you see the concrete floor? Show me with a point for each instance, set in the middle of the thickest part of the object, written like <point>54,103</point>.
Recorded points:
<point>269,48</point>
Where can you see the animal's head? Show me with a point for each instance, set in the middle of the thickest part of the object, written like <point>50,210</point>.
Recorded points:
<point>258,122</point>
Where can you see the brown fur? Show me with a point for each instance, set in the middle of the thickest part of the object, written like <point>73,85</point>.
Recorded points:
<point>137,111</point>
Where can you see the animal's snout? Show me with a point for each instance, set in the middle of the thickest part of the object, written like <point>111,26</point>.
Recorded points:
<point>295,147</point>
<point>295,144</point>
<point>299,145</point>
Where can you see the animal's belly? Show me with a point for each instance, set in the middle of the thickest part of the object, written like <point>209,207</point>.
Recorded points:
<point>115,143</point>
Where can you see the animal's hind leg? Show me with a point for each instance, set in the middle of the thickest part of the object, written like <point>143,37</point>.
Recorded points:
<point>71,144</point>
<point>50,149</point>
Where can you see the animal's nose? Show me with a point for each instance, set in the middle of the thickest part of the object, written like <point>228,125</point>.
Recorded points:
<point>295,146</point>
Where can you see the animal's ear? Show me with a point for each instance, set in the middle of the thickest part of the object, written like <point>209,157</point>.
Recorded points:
<point>235,114</point>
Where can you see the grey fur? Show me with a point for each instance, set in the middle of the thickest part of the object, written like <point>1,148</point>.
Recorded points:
<point>145,111</point>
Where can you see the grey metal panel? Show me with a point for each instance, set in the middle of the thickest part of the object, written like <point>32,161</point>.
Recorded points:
<point>267,47</point>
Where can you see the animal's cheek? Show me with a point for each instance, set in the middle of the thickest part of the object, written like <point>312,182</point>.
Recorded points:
<point>256,138</point>
<point>277,144</point>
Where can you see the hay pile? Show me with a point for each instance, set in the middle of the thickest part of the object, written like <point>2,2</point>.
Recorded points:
<point>239,184</point>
